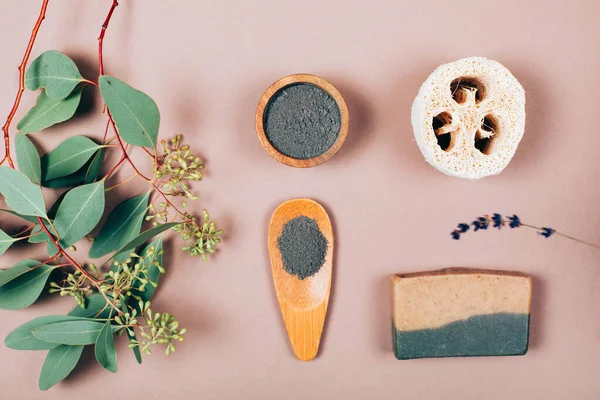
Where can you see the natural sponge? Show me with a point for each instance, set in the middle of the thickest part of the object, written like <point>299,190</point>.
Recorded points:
<point>469,117</point>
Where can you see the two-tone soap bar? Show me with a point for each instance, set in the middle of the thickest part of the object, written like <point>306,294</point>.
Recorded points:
<point>460,312</point>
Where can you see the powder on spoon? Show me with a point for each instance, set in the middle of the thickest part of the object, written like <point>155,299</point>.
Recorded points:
<point>303,247</point>
<point>302,121</point>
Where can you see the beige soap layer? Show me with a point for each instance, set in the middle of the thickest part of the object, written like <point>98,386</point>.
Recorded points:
<point>433,299</point>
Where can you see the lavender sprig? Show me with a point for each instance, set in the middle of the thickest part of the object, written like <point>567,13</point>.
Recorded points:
<point>512,221</point>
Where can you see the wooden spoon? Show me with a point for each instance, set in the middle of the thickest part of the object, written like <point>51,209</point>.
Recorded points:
<point>304,302</point>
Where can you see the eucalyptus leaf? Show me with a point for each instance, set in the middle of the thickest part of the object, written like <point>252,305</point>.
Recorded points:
<point>28,158</point>
<point>123,224</point>
<point>135,114</point>
<point>21,195</point>
<point>24,284</point>
<point>22,339</point>
<point>146,235</point>
<point>93,169</point>
<point>17,270</point>
<point>79,212</point>
<point>55,72</point>
<point>74,179</point>
<point>86,174</point>
<point>48,112</point>
<point>37,234</point>
<point>136,350</point>
<point>153,273</point>
<point>105,348</point>
<point>95,307</point>
<point>124,252</point>
<point>5,242</point>
<point>80,332</point>
<point>59,363</point>
<point>68,157</point>
<point>54,208</point>
<point>131,335</point>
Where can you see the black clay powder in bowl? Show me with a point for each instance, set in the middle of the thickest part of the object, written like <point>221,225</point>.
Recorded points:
<point>302,121</point>
<point>303,247</point>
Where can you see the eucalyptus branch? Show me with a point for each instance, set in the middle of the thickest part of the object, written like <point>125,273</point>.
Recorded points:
<point>74,263</point>
<point>111,299</point>
<point>17,102</point>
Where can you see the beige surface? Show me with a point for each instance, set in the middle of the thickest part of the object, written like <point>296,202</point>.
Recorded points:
<point>207,64</point>
<point>435,299</point>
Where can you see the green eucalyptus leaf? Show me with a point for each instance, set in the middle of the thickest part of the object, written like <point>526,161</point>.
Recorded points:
<point>105,348</point>
<point>68,157</point>
<point>95,307</point>
<point>17,270</point>
<point>22,339</point>
<point>23,285</point>
<point>153,272</point>
<point>48,112</point>
<point>79,212</point>
<point>37,234</point>
<point>86,174</point>
<point>145,236</point>
<point>28,218</point>
<point>68,181</point>
<point>22,196</point>
<point>136,350</point>
<point>80,332</point>
<point>123,224</point>
<point>54,208</point>
<point>135,114</point>
<point>51,248</point>
<point>77,215</point>
<point>5,242</point>
<point>132,336</point>
<point>55,72</point>
<point>59,363</point>
<point>93,169</point>
<point>28,158</point>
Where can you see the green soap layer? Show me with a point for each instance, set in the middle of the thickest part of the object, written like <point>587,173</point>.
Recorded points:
<point>505,334</point>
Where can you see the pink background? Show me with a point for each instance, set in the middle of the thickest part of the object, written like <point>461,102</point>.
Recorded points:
<point>206,63</point>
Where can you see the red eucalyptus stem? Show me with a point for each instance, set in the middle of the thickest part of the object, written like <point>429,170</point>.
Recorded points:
<point>114,5</point>
<point>74,263</point>
<point>64,253</point>
<point>17,102</point>
<point>125,156</point>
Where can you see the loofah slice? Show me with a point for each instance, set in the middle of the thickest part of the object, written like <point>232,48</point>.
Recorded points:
<point>469,117</point>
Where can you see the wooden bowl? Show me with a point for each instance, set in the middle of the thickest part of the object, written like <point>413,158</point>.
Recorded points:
<point>322,84</point>
<point>303,302</point>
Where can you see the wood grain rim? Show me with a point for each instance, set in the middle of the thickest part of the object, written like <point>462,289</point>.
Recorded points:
<point>322,84</point>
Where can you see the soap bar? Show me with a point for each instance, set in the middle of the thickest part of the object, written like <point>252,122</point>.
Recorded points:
<point>461,312</point>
